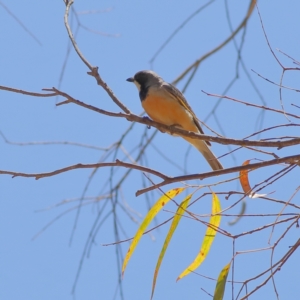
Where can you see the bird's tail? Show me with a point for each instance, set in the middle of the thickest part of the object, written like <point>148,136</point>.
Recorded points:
<point>206,152</point>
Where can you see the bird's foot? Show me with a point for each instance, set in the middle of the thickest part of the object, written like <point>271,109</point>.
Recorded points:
<point>147,118</point>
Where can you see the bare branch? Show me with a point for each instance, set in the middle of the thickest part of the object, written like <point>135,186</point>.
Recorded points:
<point>86,166</point>
<point>21,24</point>
<point>9,89</point>
<point>164,128</point>
<point>288,159</point>
<point>233,34</point>
<point>94,70</point>
<point>252,105</point>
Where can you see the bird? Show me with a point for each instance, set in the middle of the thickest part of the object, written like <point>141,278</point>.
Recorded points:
<point>165,104</point>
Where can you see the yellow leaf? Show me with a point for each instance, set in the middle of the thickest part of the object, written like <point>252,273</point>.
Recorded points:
<point>180,211</point>
<point>149,217</point>
<point>214,223</point>
<point>220,287</point>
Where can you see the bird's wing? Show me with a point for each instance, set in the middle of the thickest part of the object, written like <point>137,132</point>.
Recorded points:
<point>181,99</point>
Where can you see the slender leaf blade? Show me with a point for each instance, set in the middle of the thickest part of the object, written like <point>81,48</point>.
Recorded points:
<point>162,201</point>
<point>220,286</point>
<point>180,211</point>
<point>210,234</point>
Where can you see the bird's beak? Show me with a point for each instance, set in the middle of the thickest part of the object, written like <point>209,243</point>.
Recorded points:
<point>130,79</point>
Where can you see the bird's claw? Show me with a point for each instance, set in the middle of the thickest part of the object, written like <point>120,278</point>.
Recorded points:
<point>147,118</point>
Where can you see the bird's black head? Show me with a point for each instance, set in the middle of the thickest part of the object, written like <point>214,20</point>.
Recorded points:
<point>144,80</point>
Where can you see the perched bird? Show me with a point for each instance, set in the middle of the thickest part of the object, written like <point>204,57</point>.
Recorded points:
<point>165,104</point>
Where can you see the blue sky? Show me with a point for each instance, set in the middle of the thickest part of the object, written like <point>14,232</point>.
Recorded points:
<point>132,32</point>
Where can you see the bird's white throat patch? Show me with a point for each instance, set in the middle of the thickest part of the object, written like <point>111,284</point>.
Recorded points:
<point>137,85</point>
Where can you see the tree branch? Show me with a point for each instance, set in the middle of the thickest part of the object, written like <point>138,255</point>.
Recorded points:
<point>85,166</point>
<point>294,159</point>
<point>94,70</point>
<point>164,128</point>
